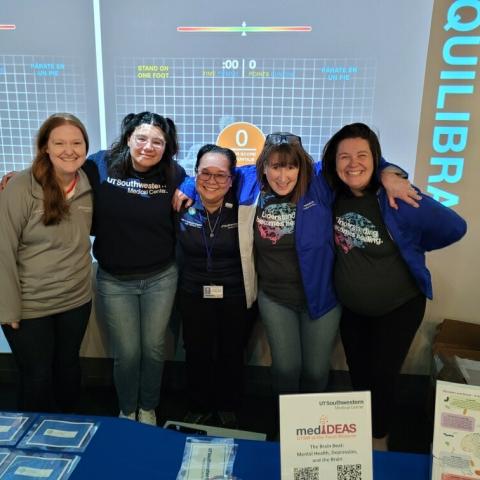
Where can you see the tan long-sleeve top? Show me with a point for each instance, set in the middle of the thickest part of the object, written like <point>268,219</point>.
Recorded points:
<point>43,269</point>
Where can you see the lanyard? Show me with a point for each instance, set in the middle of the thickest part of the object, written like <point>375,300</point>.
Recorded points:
<point>209,249</point>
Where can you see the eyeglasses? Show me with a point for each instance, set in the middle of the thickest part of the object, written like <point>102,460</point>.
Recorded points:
<point>282,137</point>
<point>220,178</point>
<point>156,143</point>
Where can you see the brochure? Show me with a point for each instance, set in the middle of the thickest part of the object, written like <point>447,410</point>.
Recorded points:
<point>59,433</point>
<point>207,458</point>
<point>22,465</point>
<point>13,426</point>
<point>456,436</point>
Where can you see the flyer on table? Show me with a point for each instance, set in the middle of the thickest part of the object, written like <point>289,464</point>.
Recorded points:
<point>13,426</point>
<point>456,437</point>
<point>326,435</point>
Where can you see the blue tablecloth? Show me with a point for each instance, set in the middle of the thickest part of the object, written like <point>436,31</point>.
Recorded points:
<point>122,449</point>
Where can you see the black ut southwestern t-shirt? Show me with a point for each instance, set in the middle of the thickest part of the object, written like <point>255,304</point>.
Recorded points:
<point>371,277</point>
<point>275,253</point>
<point>132,220</point>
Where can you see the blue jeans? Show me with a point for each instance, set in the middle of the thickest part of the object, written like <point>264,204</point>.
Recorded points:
<point>301,346</point>
<point>136,313</point>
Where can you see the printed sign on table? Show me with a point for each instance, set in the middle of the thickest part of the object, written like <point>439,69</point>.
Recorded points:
<point>326,436</point>
<point>456,438</point>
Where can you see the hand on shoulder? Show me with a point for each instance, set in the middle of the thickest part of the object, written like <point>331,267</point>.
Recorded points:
<point>5,179</point>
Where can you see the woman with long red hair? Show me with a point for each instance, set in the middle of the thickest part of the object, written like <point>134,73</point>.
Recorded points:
<point>45,286</point>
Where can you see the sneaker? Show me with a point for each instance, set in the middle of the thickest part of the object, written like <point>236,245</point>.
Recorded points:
<point>197,417</point>
<point>227,419</point>
<point>147,416</point>
<point>129,416</point>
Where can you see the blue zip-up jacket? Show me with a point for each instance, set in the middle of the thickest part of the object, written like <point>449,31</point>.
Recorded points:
<point>313,237</point>
<point>414,230</point>
<point>419,230</point>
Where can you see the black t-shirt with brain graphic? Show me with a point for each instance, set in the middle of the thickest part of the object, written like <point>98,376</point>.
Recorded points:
<point>371,277</point>
<point>275,253</point>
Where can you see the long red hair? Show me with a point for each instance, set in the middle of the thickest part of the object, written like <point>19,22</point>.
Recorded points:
<point>55,205</point>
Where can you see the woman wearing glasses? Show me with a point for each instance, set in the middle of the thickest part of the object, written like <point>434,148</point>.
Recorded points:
<point>211,297</point>
<point>290,250</point>
<point>134,246</point>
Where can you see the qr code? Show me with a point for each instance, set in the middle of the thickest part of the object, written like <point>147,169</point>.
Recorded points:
<point>349,472</point>
<point>306,473</point>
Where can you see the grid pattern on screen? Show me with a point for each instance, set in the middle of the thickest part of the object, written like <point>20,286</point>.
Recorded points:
<point>310,97</point>
<point>31,89</point>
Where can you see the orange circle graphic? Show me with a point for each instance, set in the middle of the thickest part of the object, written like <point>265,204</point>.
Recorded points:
<point>245,139</point>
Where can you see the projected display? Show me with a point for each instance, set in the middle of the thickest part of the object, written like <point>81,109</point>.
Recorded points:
<point>47,65</point>
<point>224,72</point>
<point>53,83</point>
<point>207,95</point>
<point>307,67</point>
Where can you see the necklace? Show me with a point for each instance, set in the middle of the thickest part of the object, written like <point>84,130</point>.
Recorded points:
<point>212,229</point>
<point>72,184</point>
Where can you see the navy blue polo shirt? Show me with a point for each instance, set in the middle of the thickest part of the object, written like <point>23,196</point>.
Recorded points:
<point>209,249</point>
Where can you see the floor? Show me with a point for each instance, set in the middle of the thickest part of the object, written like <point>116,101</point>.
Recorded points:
<point>411,429</point>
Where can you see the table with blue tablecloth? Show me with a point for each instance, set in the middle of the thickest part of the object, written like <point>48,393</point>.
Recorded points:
<point>123,449</point>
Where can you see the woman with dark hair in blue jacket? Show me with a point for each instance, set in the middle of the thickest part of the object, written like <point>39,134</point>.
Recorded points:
<point>380,275</point>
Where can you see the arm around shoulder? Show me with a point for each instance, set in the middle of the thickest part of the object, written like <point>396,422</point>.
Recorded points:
<point>246,186</point>
<point>187,187</point>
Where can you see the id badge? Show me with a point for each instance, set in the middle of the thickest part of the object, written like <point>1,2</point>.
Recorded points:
<point>213,291</point>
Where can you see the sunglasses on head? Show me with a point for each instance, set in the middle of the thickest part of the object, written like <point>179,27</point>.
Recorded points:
<point>282,137</point>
